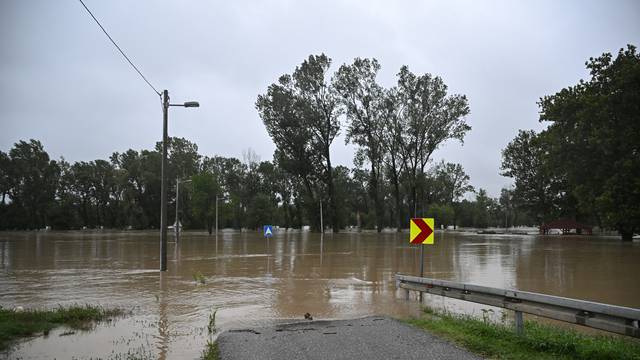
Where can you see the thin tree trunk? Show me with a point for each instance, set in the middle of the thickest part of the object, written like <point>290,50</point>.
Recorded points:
<point>332,200</point>
<point>376,197</point>
<point>396,189</point>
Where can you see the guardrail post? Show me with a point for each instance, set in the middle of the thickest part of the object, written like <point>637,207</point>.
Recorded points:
<point>519,323</point>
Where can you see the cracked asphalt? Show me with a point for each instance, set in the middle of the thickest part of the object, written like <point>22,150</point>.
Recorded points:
<point>371,338</point>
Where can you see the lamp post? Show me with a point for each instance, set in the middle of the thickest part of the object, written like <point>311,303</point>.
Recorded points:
<point>163,192</point>
<point>177,225</point>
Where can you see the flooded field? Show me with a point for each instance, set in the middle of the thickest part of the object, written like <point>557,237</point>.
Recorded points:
<point>250,280</point>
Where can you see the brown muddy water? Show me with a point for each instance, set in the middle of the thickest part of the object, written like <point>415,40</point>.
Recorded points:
<point>253,281</point>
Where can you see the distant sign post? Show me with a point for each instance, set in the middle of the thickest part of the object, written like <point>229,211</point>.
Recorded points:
<point>421,233</point>
<point>268,231</point>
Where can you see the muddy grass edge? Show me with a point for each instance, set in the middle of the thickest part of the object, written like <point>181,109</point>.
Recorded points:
<point>17,323</point>
<point>498,340</point>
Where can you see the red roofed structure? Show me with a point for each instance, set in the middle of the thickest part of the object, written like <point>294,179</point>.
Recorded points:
<point>566,225</point>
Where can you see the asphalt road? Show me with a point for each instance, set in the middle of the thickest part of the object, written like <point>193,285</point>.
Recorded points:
<point>369,338</point>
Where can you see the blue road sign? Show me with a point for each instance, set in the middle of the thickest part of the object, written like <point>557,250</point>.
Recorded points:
<point>268,231</point>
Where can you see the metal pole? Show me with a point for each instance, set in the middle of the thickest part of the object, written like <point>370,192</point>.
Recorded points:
<point>421,260</point>
<point>519,323</point>
<point>163,193</point>
<point>216,215</point>
<point>321,225</point>
<point>177,227</point>
<point>421,266</point>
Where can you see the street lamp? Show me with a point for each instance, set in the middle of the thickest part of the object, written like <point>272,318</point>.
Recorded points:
<point>163,192</point>
<point>177,225</point>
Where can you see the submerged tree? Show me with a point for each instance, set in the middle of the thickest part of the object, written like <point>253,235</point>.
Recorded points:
<point>205,189</point>
<point>364,102</point>
<point>429,117</point>
<point>454,183</point>
<point>538,187</point>
<point>594,132</point>
<point>34,180</point>
<point>301,114</point>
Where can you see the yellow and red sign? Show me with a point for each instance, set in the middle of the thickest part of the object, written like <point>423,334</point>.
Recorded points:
<point>421,231</point>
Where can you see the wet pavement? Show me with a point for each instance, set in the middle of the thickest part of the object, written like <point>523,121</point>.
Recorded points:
<point>371,338</point>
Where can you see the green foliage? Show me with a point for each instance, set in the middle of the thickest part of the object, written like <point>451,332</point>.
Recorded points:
<point>586,164</point>
<point>539,341</point>
<point>539,188</point>
<point>301,113</point>
<point>205,190</point>
<point>364,102</point>
<point>211,326</point>
<point>443,214</point>
<point>199,278</point>
<point>429,116</point>
<point>16,324</point>
<point>211,351</point>
<point>29,180</point>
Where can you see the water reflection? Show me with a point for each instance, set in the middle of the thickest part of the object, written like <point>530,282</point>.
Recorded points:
<point>252,280</point>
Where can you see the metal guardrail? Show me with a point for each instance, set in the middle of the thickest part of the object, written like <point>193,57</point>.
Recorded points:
<point>616,319</point>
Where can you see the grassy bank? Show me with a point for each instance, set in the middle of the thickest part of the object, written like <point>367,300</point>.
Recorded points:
<point>17,324</point>
<point>540,341</point>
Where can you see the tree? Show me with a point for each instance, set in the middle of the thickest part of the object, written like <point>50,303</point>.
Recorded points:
<point>538,188</point>
<point>301,115</point>
<point>392,143</point>
<point>5,178</point>
<point>594,132</point>
<point>481,217</point>
<point>321,113</point>
<point>34,179</point>
<point>364,101</point>
<point>429,117</point>
<point>454,183</point>
<point>205,189</point>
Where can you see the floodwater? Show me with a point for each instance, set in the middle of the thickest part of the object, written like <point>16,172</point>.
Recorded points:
<point>251,281</point>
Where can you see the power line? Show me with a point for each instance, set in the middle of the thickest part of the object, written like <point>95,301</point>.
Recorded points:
<point>119,49</point>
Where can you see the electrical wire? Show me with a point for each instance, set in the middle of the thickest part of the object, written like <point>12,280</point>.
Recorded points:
<point>119,49</point>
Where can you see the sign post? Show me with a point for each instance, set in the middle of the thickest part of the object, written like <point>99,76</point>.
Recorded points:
<point>421,233</point>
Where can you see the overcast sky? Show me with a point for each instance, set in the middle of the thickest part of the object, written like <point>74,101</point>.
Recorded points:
<point>63,83</point>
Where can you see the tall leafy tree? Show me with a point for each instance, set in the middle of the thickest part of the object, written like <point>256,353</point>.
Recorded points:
<point>301,114</point>
<point>321,113</point>
<point>538,188</point>
<point>364,100</point>
<point>594,132</point>
<point>205,189</point>
<point>430,116</point>
<point>34,179</point>
<point>393,145</point>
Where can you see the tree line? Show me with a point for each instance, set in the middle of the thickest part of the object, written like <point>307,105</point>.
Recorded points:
<point>123,192</point>
<point>586,164</point>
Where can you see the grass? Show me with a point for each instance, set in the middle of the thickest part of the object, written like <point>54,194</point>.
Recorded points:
<point>210,351</point>
<point>18,324</point>
<point>539,341</point>
<point>212,322</point>
<point>199,278</point>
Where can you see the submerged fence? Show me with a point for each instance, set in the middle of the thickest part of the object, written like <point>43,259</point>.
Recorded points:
<point>616,319</point>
